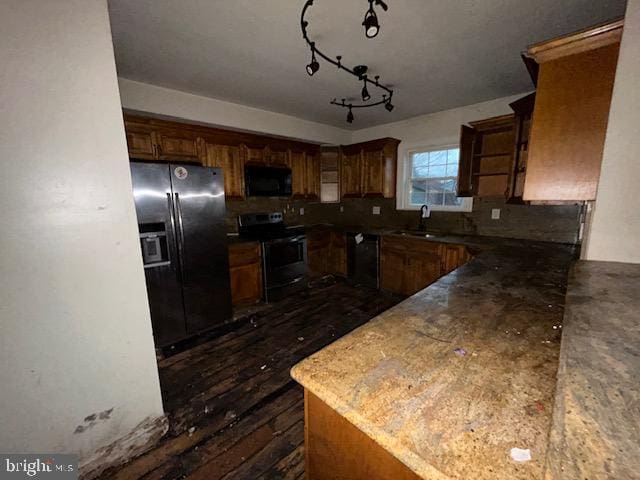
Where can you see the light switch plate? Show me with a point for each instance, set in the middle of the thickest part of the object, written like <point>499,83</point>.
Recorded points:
<point>302,211</point>
<point>341,209</point>
<point>495,214</point>
<point>376,210</point>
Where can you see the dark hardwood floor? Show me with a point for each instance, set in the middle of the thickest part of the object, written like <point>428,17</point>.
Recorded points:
<point>234,411</point>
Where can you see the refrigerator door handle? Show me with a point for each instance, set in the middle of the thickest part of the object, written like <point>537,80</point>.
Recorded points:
<point>172,214</point>
<point>180,237</point>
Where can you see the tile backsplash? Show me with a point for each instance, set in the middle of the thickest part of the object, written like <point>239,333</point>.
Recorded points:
<point>553,223</point>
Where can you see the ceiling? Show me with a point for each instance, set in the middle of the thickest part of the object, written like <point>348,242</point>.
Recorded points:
<point>436,54</point>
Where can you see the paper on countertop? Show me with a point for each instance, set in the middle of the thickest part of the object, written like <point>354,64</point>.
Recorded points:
<point>521,455</point>
<point>359,238</point>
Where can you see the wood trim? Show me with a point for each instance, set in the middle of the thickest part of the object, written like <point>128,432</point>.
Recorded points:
<point>494,123</point>
<point>371,145</point>
<point>578,42</point>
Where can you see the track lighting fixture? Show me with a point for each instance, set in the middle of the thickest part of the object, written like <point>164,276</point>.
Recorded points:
<point>365,93</point>
<point>314,66</point>
<point>350,115</point>
<point>372,27</point>
<point>370,23</point>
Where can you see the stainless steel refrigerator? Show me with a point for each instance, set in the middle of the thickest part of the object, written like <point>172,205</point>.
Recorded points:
<point>181,219</point>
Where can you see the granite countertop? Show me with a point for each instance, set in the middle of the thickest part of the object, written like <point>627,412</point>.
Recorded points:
<point>448,414</point>
<point>596,428</point>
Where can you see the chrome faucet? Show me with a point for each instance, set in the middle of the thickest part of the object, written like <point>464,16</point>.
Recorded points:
<point>424,211</point>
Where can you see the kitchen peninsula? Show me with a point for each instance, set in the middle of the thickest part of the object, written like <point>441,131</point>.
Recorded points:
<point>448,382</point>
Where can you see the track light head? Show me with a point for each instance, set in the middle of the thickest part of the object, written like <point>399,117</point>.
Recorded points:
<point>389,106</point>
<point>371,25</point>
<point>313,67</point>
<point>350,116</point>
<point>365,93</point>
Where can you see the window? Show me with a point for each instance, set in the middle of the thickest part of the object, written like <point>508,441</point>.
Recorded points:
<point>430,178</point>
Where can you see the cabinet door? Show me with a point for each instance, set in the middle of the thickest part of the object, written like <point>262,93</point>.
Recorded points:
<point>350,184</point>
<point>277,158</point>
<point>422,270</point>
<point>318,245</point>
<point>465,169</point>
<point>298,165</point>
<point>245,269</point>
<point>392,267</point>
<point>372,174</point>
<point>312,177</point>
<point>230,159</point>
<point>569,126</point>
<point>254,154</point>
<point>176,146</point>
<point>140,142</point>
<point>453,256</point>
<point>338,254</point>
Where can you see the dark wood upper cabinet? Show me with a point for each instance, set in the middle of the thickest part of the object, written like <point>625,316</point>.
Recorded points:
<point>178,145</point>
<point>254,155</point>
<point>160,140</point>
<point>486,155</point>
<point>550,149</point>
<point>369,169</point>
<point>350,184</point>
<point>298,165</point>
<point>312,176</point>
<point>141,142</point>
<point>575,85</point>
<point>364,169</point>
<point>276,157</point>
<point>231,159</point>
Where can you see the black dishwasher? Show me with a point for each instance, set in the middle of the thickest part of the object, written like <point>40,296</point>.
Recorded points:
<point>362,260</point>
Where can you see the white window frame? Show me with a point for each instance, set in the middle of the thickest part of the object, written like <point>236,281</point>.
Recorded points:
<point>403,186</point>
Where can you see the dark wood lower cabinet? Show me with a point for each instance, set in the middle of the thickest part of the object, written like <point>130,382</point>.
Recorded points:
<point>453,256</point>
<point>407,265</point>
<point>336,449</point>
<point>326,252</point>
<point>245,271</point>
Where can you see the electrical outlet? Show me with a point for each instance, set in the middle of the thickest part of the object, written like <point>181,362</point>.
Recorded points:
<point>302,211</point>
<point>341,209</point>
<point>495,214</point>
<point>376,210</point>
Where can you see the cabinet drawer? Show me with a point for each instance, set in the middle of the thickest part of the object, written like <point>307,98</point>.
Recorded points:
<point>244,254</point>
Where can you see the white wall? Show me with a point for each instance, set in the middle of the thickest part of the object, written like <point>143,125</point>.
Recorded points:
<point>436,129</point>
<point>75,332</point>
<point>615,229</point>
<point>440,129</point>
<point>147,98</point>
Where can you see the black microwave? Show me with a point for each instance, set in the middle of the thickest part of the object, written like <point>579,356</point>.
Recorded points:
<point>261,181</point>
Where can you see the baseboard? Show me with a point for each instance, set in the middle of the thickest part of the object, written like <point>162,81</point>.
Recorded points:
<point>146,434</point>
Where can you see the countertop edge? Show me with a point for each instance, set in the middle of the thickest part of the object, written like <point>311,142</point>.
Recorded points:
<point>410,460</point>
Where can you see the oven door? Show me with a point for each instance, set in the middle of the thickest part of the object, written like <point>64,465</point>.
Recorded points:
<point>285,266</point>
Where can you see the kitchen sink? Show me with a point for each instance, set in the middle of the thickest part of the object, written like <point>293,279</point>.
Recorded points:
<point>415,233</point>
